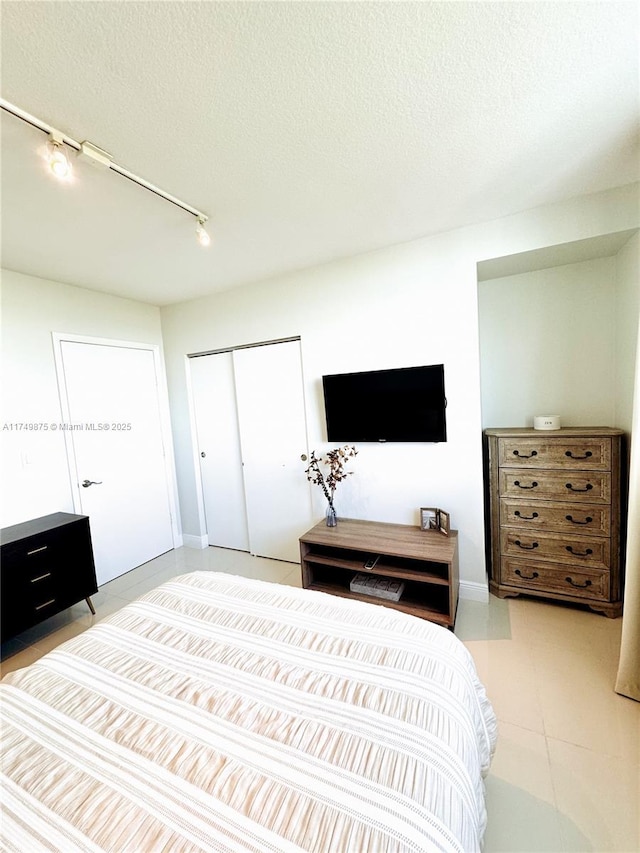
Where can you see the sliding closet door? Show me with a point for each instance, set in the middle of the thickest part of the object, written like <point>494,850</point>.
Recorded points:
<point>214,396</point>
<point>273,435</point>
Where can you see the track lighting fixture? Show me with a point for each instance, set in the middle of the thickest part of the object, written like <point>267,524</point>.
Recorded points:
<point>58,161</point>
<point>90,153</point>
<point>203,236</point>
<point>60,164</point>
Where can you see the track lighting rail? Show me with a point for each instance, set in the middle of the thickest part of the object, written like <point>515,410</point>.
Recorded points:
<point>78,146</point>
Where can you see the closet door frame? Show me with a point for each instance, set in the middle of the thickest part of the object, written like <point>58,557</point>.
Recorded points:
<point>203,541</point>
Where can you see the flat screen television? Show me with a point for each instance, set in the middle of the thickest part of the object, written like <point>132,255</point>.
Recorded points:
<point>402,404</point>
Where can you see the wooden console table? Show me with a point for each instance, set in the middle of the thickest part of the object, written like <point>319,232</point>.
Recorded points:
<point>424,560</point>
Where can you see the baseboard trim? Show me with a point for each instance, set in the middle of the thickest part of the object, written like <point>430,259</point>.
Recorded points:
<point>472,591</point>
<point>190,541</point>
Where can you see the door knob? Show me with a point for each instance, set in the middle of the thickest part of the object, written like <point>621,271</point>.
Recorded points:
<point>87,483</point>
<point>303,457</point>
<point>203,454</point>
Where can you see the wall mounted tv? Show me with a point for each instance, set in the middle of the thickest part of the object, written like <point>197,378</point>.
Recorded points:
<point>403,404</point>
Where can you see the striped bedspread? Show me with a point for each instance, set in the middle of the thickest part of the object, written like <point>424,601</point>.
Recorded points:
<point>218,713</point>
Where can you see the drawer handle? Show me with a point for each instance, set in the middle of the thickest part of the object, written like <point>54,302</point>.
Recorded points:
<point>525,455</point>
<point>587,488</point>
<point>41,577</point>
<point>587,520</point>
<point>528,577</point>
<point>526,547</point>
<point>586,553</point>
<point>525,517</point>
<point>46,604</point>
<point>37,550</point>
<point>579,585</point>
<point>532,486</point>
<point>571,456</point>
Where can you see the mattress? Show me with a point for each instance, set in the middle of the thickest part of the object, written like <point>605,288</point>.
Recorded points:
<point>219,713</point>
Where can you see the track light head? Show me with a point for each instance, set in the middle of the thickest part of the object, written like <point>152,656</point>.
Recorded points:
<point>203,237</point>
<point>58,161</point>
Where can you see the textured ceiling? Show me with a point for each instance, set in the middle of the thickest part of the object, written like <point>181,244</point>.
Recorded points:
<point>307,131</point>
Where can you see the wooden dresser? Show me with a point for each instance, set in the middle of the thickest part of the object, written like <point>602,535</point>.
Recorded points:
<point>47,566</point>
<point>555,509</point>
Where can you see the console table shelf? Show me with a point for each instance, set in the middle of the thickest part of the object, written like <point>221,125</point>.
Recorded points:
<point>425,560</point>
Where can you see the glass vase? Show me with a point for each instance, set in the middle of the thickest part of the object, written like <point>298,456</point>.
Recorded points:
<point>330,516</point>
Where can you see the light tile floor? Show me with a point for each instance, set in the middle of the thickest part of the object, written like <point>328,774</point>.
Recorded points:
<point>566,773</point>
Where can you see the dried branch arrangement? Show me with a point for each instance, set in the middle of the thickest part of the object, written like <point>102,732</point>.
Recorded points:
<point>335,460</point>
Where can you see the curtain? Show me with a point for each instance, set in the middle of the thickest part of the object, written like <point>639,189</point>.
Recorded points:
<point>628,680</point>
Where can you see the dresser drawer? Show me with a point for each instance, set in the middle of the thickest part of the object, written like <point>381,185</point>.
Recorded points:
<point>572,582</point>
<point>592,552</point>
<point>46,556</point>
<point>591,520</point>
<point>42,598</point>
<point>578,486</point>
<point>47,566</point>
<point>568,454</point>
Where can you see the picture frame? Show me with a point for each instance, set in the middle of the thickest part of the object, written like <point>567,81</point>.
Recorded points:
<point>428,518</point>
<point>432,518</point>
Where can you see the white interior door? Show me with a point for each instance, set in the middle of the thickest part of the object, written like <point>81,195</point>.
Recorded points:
<point>116,443</point>
<point>273,435</point>
<point>214,398</point>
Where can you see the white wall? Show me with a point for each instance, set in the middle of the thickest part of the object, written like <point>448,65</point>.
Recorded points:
<point>533,325</point>
<point>626,329</point>
<point>35,479</point>
<point>548,345</point>
<point>405,305</point>
<point>409,304</point>
<point>357,318</point>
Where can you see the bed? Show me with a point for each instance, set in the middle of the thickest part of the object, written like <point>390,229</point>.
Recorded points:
<point>219,713</point>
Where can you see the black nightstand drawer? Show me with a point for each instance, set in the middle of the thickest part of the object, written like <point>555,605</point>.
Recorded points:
<point>47,566</point>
